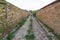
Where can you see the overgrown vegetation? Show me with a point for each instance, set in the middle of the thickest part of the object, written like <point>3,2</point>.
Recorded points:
<point>49,29</point>
<point>20,23</point>
<point>58,36</point>
<point>30,34</point>
<point>12,34</point>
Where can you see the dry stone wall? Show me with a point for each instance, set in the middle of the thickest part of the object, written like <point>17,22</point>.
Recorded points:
<point>50,15</point>
<point>2,17</point>
<point>14,15</point>
<point>10,16</point>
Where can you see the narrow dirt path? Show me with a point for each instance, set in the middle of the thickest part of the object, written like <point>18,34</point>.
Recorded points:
<point>38,31</point>
<point>20,35</point>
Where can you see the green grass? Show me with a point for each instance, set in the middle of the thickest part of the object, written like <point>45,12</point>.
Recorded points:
<point>12,34</point>
<point>49,29</point>
<point>30,35</point>
<point>20,23</point>
<point>58,36</point>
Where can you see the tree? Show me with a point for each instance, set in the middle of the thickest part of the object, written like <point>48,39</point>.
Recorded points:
<point>33,12</point>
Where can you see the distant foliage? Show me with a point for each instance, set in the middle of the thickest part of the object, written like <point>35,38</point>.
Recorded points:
<point>33,12</point>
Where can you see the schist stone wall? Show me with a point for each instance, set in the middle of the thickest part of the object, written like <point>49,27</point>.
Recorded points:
<point>50,15</point>
<point>10,16</point>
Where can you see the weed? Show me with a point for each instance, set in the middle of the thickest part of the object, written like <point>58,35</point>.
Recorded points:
<point>10,36</point>
<point>30,35</point>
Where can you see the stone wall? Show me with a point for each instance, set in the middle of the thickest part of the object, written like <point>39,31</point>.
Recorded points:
<point>2,17</point>
<point>10,16</point>
<point>50,15</point>
<point>14,15</point>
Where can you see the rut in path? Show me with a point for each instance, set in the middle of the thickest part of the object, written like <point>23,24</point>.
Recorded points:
<point>40,33</point>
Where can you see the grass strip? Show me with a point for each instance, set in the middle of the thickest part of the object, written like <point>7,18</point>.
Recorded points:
<point>30,35</point>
